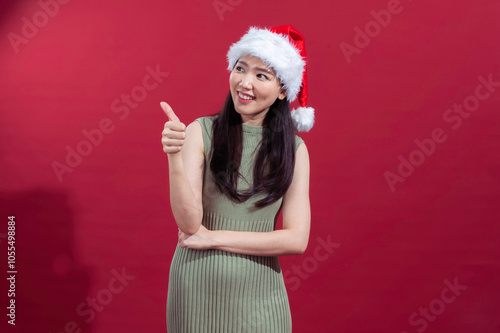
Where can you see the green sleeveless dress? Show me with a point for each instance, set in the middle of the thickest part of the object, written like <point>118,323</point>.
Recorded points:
<point>214,291</point>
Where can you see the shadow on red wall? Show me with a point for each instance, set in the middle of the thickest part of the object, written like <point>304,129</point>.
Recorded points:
<point>50,283</point>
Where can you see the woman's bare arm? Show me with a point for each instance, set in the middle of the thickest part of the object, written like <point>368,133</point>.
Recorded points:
<point>186,161</point>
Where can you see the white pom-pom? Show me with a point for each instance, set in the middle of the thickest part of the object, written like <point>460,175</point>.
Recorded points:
<point>303,118</point>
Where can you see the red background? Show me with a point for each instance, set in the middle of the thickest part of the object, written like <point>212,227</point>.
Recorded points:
<point>393,249</point>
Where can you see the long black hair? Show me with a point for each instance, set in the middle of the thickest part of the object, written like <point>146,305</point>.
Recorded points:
<point>275,160</point>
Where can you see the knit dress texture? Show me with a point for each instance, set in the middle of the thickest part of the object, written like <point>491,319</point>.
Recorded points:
<point>215,291</point>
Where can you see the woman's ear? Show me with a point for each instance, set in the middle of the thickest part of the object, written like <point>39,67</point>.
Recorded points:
<point>282,93</point>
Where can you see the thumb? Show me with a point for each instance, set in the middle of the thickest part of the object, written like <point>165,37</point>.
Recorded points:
<point>169,112</point>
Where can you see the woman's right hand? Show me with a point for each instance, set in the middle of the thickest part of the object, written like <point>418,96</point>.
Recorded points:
<point>174,132</point>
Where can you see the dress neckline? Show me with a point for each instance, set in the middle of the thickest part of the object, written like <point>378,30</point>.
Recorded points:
<point>252,129</point>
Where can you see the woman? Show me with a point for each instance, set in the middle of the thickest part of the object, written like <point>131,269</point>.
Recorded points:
<point>230,174</point>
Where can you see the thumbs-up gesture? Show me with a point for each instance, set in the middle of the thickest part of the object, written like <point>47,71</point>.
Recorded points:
<point>174,132</point>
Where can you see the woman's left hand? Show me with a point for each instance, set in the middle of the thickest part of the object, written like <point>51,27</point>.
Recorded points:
<point>199,241</point>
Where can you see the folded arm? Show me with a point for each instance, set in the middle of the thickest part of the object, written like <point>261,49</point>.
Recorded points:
<point>292,239</point>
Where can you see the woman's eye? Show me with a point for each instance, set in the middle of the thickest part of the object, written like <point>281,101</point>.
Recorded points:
<point>239,69</point>
<point>263,76</point>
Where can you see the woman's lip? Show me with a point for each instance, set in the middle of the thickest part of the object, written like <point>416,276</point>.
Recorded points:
<point>243,100</point>
<point>241,92</point>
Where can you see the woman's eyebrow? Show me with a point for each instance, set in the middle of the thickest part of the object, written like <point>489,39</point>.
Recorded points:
<point>258,68</point>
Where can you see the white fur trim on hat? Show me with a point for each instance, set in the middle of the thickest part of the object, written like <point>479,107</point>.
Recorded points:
<point>276,51</point>
<point>303,118</point>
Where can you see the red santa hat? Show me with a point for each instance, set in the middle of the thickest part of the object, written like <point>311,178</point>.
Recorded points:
<point>283,49</point>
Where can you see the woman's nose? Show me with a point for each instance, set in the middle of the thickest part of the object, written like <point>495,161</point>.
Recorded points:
<point>246,81</point>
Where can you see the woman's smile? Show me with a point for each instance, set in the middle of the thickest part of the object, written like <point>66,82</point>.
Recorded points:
<point>245,98</point>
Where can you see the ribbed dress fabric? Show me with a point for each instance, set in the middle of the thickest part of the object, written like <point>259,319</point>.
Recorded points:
<point>214,291</point>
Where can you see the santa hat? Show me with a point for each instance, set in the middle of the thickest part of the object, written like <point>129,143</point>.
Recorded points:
<point>283,49</point>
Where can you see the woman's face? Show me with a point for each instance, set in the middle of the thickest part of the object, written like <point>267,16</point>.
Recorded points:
<point>254,88</point>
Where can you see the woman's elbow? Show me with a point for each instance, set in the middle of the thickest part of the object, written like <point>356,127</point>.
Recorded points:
<point>300,247</point>
<point>190,223</point>
<point>190,229</point>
